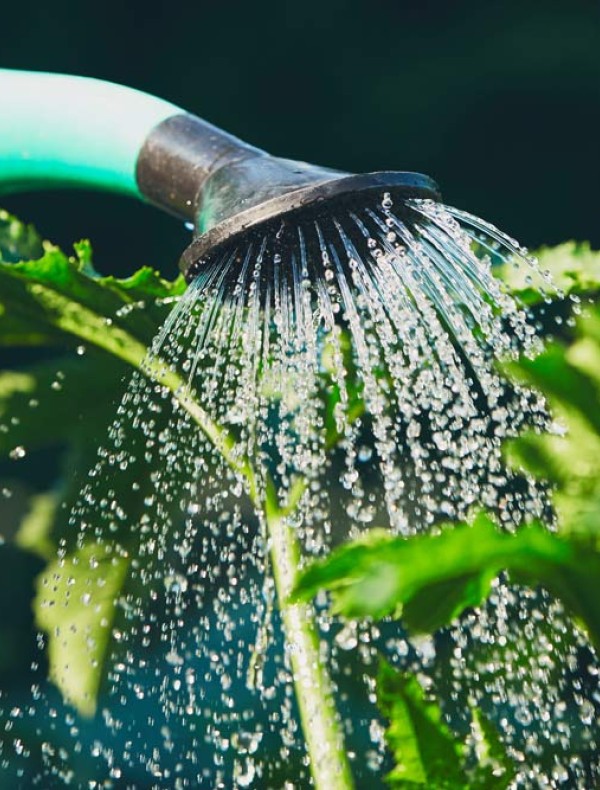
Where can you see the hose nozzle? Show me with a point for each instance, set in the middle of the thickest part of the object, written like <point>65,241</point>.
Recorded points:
<point>106,136</point>
<point>227,187</point>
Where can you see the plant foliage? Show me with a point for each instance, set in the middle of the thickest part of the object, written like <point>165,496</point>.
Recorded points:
<point>97,329</point>
<point>426,752</point>
<point>431,579</point>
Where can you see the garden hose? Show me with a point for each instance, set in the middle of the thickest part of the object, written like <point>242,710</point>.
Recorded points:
<point>67,131</point>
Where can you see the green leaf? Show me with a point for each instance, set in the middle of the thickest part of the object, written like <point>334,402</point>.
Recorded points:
<point>425,751</point>
<point>75,605</point>
<point>341,387</point>
<point>495,770</point>
<point>383,575</point>
<point>553,374</point>
<point>568,374</point>
<point>573,266</point>
<point>34,532</point>
<point>440,603</point>
<point>57,299</point>
<point>427,580</point>
<point>18,242</point>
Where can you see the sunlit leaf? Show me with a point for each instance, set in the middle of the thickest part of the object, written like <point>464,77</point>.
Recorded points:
<point>559,380</point>
<point>412,577</point>
<point>568,374</point>
<point>494,770</point>
<point>34,532</point>
<point>429,578</point>
<point>56,300</point>
<point>425,751</point>
<point>573,266</point>
<point>75,605</point>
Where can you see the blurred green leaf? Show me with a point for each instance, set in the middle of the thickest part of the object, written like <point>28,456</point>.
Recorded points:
<point>425,751</point>
<point>552,373</point>
<point>494,770</point>
<point>75,605</point>
<point>34,532</point>
<point>439,603</point>
<point>573,266</point>
<point>18,242</point>
<point>342,387</point>
<point>568,374</point>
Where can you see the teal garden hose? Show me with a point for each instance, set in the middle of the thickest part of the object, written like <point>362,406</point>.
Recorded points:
<point>66,131</point>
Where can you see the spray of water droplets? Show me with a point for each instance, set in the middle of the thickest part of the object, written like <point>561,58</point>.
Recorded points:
<point>339,373</point>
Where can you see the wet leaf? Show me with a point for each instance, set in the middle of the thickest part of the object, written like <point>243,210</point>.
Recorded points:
<point>425,751</point>
<point>495,770</point>
<point>406,577</point>
<point>75,605</point>
<point>430,578</point>
<point>58,299</point>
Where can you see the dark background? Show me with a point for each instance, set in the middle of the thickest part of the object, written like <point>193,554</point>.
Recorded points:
<point>499,101</point>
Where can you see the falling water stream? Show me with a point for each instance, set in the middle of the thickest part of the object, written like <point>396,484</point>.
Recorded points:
<point>311,384</point>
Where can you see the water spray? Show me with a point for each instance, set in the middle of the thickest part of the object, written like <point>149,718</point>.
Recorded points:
<point>302,280</point>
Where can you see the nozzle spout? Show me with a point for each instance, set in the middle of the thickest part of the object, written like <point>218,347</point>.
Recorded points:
<point>194,170</point>
<point>228,188</point>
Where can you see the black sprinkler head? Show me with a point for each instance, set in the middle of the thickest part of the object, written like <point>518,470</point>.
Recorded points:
<point>231,190</point>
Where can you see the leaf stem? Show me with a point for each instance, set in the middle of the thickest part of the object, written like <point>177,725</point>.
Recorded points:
<point>324,740</point>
